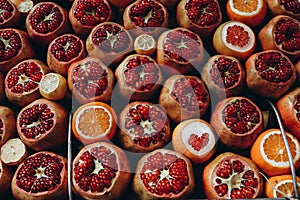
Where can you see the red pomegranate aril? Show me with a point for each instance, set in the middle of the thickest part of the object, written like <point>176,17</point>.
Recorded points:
<point>85,15</point>
<point>9,15</point>
<point>7,124</point>
<point>6,175</point>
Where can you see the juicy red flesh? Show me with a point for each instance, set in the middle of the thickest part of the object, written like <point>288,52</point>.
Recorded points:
<point>6,10</point>
<point>147,124</point>
<point>203,12</point>
<point>24,78</point>
<point>46,18</point>
<point>66,48</point>
<point>197,142</point>
<point>291,5</point>
<point>287,33</point>
<point>245,182</point>
<point>1,128</point>
<point>225,72</point>
<point>141,73</point>
<point>297,107</point>
<point>90,79</point>
<point>237,36</point>
<point>36,121</point>
<point>91,13</point>
<point>182,46</point>
<point>89,176</point>
<point>190,93</point>
<point>10,44</point>
<point>111,38</point>
<point>40,173</point>
<point>161,164</point>
<point>240,116</point>
<point>274,67</point>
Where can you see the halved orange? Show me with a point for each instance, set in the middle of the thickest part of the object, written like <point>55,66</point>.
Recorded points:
<point>269,152</point>
<point>94,122</point>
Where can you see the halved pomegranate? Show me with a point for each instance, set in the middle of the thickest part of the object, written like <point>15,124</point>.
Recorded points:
<point>223,75</point>
<point>184,97</point>
<point>42,125</point>
<point>144,126</point>
<point>281,33</point>
<point>202,17</point>
<point>109,42</point>
<point>179,50</point>
<point>2,88</point>
<point>5,178</point>
<point>164,174</point>
<point>145,16</point>
<point>90,80</point>
<point>100,171</point>
<point>46,21</point>
<point>22,81</point>
<point>269,73</point>
<point>9,15</point>
<point>237,121</point>
<point>63,51</point>
<point>139,77</point>
<point>195,139</point>
<point>14,47</point>
<point>7,124</point>
<point>231,176</point>
<point>85,15</point>
<point>282,7</point>
<point>42,175</point>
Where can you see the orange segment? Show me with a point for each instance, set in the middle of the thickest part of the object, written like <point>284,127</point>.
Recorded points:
<point>245,5</point>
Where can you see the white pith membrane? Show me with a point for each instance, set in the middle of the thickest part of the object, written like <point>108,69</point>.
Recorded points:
<point>246,2</point>
<point>49,83</point>
<point>290,190</point>
<point>279,152</point>
<point>145,42</point>
<point>246,28</point>
<point>90,127</point>
<point>198,128</point>
<point>25,6</point>
<point>13,150</point>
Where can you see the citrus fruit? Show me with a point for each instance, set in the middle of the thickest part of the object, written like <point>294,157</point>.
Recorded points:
<point>145,44</point>
<point>94,122</point>
<point>53,86</point>
<point>13,152</point>
<point>269,152</point>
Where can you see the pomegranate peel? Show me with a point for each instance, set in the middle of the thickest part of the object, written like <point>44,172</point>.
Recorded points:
<point>6,176</point>
<point>7,124</point>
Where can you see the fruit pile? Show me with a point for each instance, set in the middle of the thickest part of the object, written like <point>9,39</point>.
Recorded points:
<point>162,98</point>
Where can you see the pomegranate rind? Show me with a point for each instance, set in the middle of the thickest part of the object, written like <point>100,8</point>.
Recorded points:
<point>209,174</point>
<point>53,138</point>
<point>13,152</point>
<point>144,193</point>
<point>120,181</point>
<point>121,4</point>
<point>6,176</point>
<point>14,20</point>
<point>60,192</point>
<point>125,136</point>
<point>268,166</point>
<point>277,9</point>
<point>8,118</point>
<point>181,135</point>
<point>2,88</point>
<point>23,99</point>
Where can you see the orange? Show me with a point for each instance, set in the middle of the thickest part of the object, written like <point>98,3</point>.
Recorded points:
<point>250,12</point>
<point>269,152</point>
<point>94,122</point>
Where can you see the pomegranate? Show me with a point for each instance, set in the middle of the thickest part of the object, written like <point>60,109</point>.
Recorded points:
<point>184,97</point>
<point>5,178</point>
<point>9,15</point>
<point>289,109</point>
<point>164,174</point>
<point>270,73</point>
<point>46,21</point>
<point>282,33</point>
<point>144,126</point>
<point>145,16</point>
<point>281,7</point>
<point>169,4</point>
<point>237,121</point>
<point>179,50</point>
<point>139,77</point>
<point>42,125</point>
<point>224,75</point>
<point>297,66</point>
<point>100,171</point>
<point>42,175</point>
<point>22,81</point>
<point>85,15</point>
<point>121,3</point>
<point>63,51</point>
<point>231,176</point>
<point>90,80</point>
<point>2,90</point>
<point>109,42</point>
<point>7,124</point>
<point>14,47</point>
<point>202,17</point>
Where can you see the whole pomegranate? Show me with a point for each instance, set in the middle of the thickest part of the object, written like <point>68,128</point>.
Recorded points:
<point>7,124</point>
<point>282,7</point>
<point>9,15</point>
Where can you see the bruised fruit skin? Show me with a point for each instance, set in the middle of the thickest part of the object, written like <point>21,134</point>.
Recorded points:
<point>7,124</point>
<point>9,15</point>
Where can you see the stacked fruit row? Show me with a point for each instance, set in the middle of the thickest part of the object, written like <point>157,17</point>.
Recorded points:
<point>165,97</point>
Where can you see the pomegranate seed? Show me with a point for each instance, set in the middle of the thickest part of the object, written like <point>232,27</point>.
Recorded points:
<point>10,44</point>
<point>291,5</point>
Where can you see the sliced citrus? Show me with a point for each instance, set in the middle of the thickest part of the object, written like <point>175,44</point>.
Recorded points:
<point>53,86</point>
<point>94,122</point>
<point>145,44</point>
<point>269,152</point>
<point>13,152</point>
